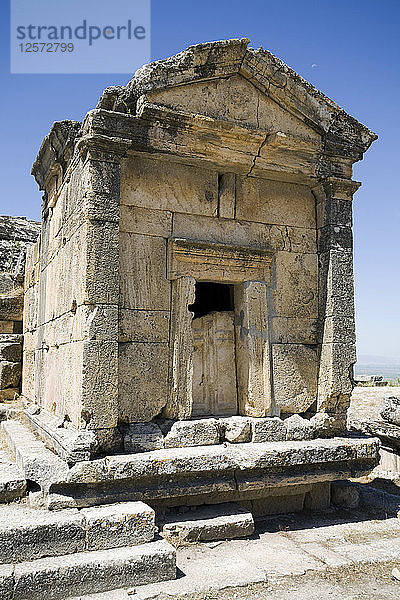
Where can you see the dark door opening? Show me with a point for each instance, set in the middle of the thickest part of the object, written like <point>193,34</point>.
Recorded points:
<point>212,297</point>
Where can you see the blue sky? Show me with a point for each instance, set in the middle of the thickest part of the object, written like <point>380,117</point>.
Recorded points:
<point>349,49</point>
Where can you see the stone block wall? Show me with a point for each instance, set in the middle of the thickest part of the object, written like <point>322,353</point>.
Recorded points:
<point>17,234</point>
<point>160,200</point>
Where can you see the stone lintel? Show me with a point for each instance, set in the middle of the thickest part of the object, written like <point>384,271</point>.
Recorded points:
<point>217,262</point>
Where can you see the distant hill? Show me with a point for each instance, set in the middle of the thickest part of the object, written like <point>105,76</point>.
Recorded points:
<point>370,364</point>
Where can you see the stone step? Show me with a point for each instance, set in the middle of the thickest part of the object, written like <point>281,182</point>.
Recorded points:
<point>29,534</point>
<point>12,481</point>
<point>37,463</point>
<point>56,578</point>
<point>212,474</point>
<point>207,524</point>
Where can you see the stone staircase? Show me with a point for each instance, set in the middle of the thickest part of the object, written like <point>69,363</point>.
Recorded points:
<point>58,554</point>
<point>68,552</point>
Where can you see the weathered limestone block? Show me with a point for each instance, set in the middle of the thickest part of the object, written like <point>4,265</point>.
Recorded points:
<point>235,471</point>
<point>91,572</point>
<point>12,482</point>
<point>16,235</point>
<point>253,356</point>
<point>142,437</point>
<point>244,233</point>
<point>335,379</point>
<point>227,195</point>
<point>143,287</point>
<point>298,428</point>
<point>295,376</point>
<point>295,330</point>
<point>10,374</point>
<point>202,432</point>
<point>275,505</point>
<point>6,581</point>
<point>270,429</point>
<point>82,323</point>
<point>296,293</point>
<point>328,425</point>
<point>100,384</point>
<point>10,351</point>
<point>143,375</point>
<point>345,494</point>
<point>337,287</point>
<point>57,384</point>
<point>8,394</point>
<point>143,325</point>
<point>236,430</point>
<point>102,263</point>
<point>6,327</point>
<point>35,461</point>
<point>27,534</point>
<point>177,187</point>
<point>11,305</point>
<point>334,210</point>
<point>126,524</point>
<point>339,330</point>
<point>73,445</point>
<point>391,410</point>
<point>136,219</point>
<point>335,237</point>
<point>101,180</point>
<point>234,99</point>
<point>206,261</point>
<point>319,496</point>
<point>94,322</point>
<point>275,202</point>
<point>219,522</point>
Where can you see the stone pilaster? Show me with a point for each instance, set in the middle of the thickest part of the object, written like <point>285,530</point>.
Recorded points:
<point>336,296</point>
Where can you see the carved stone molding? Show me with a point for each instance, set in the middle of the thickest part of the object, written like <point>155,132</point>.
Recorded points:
<point>206,261</point>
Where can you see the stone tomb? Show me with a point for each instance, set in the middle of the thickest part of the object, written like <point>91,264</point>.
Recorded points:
<point>193,285</point>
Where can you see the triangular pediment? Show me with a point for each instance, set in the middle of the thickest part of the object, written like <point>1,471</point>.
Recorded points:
<point>217,67</point>
<point>233,99</point>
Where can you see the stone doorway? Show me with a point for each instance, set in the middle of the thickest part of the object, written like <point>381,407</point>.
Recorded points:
<point>214,355</point>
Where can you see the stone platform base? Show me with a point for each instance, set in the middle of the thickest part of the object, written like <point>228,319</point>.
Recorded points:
<point>196,475</point>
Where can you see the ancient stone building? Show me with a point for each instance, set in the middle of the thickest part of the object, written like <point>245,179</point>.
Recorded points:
<point>188,323</point>
<point>192,285</point>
